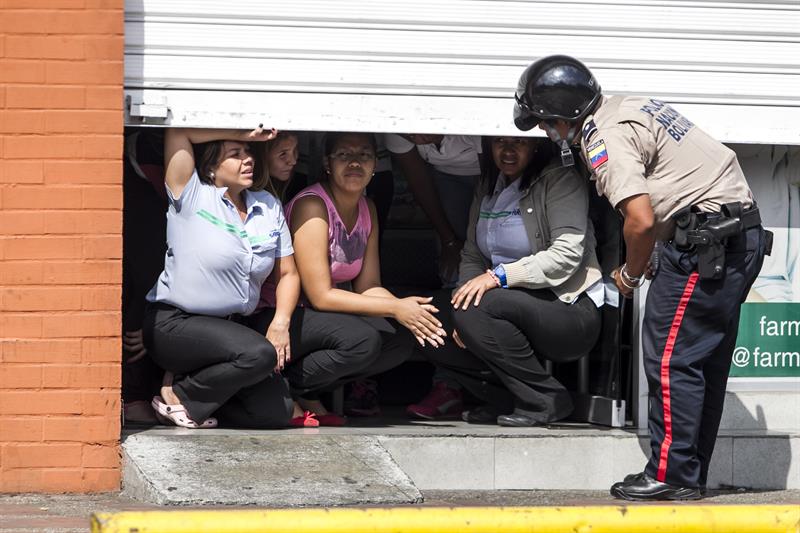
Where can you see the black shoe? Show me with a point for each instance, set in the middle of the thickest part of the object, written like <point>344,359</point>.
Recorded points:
<point>630,478</point>
<point>643,487</point>
<point>518,420</point>
<point>484,414</point>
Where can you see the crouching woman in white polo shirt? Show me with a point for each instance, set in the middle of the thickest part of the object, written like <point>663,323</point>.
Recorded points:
<point>224,237</point>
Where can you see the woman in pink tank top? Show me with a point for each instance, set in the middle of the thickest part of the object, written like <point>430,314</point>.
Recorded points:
<point>335,236</point>
<point>346,249</point>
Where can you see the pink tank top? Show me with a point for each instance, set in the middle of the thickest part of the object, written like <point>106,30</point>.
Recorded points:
<point>345,249</point>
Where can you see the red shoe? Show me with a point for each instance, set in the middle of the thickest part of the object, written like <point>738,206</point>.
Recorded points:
<point>331,419</point>
<point>442,402</point>
<point>307,420</point>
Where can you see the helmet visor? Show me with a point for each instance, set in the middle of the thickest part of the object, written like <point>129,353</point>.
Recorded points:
<point>524,119</point>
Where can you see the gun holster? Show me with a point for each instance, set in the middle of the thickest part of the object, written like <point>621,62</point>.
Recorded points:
<point>712,234</point>
<point>710,239</point>
<point>708,234</point>
<point>685,221</point>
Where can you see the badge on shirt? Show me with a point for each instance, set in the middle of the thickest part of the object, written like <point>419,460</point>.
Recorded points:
<point>589,129</point>
<point>597,154</point>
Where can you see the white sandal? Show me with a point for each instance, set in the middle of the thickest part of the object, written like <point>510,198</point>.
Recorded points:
<point>176,415</point>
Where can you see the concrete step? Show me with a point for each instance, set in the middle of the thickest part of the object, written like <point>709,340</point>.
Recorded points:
<point>582,460</point>
<point>386,462</point>
<point>265,469</point>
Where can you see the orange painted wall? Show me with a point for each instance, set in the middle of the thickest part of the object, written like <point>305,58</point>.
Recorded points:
<point>61,121</point>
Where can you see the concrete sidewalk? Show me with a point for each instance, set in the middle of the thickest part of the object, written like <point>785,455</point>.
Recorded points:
<point>29,513</point>
<point>385,461</point>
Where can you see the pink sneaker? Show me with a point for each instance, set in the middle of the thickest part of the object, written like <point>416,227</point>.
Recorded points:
<point>442,402</point>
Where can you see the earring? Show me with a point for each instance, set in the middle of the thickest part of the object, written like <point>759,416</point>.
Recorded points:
<point>211,175</point>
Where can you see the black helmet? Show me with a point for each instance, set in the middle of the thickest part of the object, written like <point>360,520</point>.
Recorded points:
<point>554,87</point>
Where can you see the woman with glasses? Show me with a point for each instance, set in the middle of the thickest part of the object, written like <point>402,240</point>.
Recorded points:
<point>345,335</point>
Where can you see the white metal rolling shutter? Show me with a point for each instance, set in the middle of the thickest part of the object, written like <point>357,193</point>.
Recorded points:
<point>450,66</point>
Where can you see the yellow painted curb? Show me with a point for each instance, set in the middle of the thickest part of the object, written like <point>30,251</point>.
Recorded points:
<point>617,519</point>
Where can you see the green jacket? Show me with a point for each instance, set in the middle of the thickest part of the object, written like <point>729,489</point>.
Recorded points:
<point>555,213</point>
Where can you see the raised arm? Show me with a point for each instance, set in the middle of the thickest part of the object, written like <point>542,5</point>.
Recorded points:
<point>179,161</point>
<point>420,181</point>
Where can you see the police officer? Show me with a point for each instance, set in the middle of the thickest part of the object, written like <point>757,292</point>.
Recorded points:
<point>675,184</point>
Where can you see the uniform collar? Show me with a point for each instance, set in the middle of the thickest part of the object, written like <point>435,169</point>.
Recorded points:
<point>251,200</point>
<point>502,183</point>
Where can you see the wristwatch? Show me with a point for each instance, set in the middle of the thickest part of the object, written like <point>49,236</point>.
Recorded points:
<point>500,272</point>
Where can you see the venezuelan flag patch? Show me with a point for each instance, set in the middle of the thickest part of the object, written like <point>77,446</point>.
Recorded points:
<point>597,153</point>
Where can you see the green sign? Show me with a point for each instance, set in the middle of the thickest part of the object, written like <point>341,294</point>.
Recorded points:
<point>769,341</point>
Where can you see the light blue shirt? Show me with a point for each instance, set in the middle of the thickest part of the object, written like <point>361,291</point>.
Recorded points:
<point>501,236</point>
<point>215,263</point>
<point>500,232</point>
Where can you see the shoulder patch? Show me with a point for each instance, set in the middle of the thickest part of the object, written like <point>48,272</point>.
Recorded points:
<point>597,154</point>
<point>589,128</point>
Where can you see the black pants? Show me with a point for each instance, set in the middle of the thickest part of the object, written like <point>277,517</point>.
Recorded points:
<point>507,337</point>
<point>222,368</point>
<point>688,336</point>
<point>331,349</point>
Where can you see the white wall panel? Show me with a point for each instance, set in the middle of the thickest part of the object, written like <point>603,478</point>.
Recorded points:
<point>460,59</point>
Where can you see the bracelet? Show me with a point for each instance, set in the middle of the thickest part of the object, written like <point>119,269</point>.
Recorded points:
<point>625,283</point>
<point>494,277</point>
<point>630,281</point>
<point>500,272</point>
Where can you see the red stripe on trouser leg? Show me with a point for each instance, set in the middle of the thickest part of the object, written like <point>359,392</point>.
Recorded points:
<point>665,358</point>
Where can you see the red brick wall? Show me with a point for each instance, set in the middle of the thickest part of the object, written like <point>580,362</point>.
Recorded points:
<point>61,69</point>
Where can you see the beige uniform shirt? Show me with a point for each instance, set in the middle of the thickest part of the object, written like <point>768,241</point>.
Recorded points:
<point>635,145</point>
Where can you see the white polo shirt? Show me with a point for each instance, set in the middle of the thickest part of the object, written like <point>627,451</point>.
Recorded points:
<point>215,263</point>
<point>456,154</point>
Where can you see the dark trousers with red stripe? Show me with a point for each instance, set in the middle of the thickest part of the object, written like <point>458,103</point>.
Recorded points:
<point>688,337</point>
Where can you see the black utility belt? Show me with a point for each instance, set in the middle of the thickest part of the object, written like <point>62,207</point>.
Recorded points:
<point>708,234</point>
